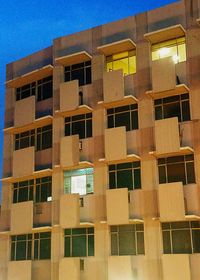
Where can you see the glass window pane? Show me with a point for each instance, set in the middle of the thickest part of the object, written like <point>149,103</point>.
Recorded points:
<point>182,52</point>
<point>79,246</point>
<point>23,194</point>
<point>123,119</point>
<point>91,245</point>
<point>132,64</point>
<point>67,247</point>
<point>166,242</point>
<point>186,110</point>
<point>137,179</point>
<point>190,172</point>
<point>110,121</point>
<point>140,243</point>
<point>181,242</point>
<point>196,241</point>
<point>88,128</point>
<point>125,179</point>
<point>21,250</point>
<point>176,173</point>
<point>158,113</point>
<point>112,181</point>
<point>79,128</point>
<point>134,119</point>
<point>162,174</point>
<point>12,251</point>
<point>36,256</point>
<point>114,245</point>
<point>45,249</point>
<point>127,243</point>
<point>172,110</point>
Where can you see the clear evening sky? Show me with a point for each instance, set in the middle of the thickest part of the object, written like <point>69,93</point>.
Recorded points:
<point>28,26</point>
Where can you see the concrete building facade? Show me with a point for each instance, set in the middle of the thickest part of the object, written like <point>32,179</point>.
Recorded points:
<point>101,175</point>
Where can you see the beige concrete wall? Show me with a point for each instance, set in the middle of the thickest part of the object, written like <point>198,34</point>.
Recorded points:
<point>23,162</point>
<point>19,270</point>
<point>69,95</point>
<point>69,150</point>
<point>69,267</point>
<point>113,85</point>
<point>24,111</point>
<point>69,211</point>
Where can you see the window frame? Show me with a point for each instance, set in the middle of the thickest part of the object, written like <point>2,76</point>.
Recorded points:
<point>37,240</point>
<point>164,163</point>
<point>34,89</point>
<point>115,238</point>
<point>83,119</point>
<point>14,242</point>
<point>68,235</point>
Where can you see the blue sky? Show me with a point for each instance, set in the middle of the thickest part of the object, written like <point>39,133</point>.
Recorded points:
<point>28,26</point>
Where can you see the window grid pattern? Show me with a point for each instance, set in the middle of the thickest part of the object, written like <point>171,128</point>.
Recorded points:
<point>41,137</point>
<point>79,124</point>
<point>37,190</point>
<point>181,237</point>
<point>81,72</point>
<point>79,242</point>
<point>173,106</point>
<point>43,89</point>
<point>21,247</point>
<point>127,240</point>
<point>123,116</point>
<point>42,245</point>
<point>124,60</point>
<point>125,175</point>
<point>177,169</point>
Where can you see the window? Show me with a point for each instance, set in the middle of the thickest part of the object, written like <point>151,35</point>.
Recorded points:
<point>127,240</point>
<point>176,169</point>
<point>79,242</point>
<point>43,89</point>
<point>79,181</point>
<point>81,72</point>
<point>125,175</point>
<point>38,190</point>
<point>124,60</point>
<point>174,48</point>
<point>123,116</point>
<point>173,106</point>
<point>21,247</point>
<point>42,246</point>
<point>79,124</point>
<point>181,237</point>
<point>42,136</point>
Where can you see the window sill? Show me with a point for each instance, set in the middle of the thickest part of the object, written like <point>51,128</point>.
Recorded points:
<point>37,123</point>
<point>82,109</point>
<point>127,100</point>
<point>183,151</point>
<point>30,77</point>
<point>187,218</point>
<point>179,89</point>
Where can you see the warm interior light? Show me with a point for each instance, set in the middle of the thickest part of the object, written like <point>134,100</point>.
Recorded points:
<point>175,58</point>
<point>163,52</point>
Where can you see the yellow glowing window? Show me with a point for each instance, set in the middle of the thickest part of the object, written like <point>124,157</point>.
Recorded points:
<point>174,48</point>
<point>124,60</point>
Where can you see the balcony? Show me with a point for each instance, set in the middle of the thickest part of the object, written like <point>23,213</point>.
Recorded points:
<point>23,162</point>
<point>69,211</point>
<point>19,270</point>
<point>24,111</point>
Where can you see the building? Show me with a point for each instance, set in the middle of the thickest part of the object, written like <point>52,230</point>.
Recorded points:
<point>101,174</point>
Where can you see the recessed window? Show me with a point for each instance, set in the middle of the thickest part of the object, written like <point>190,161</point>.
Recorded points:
<point>124,60</point>
<point>41,137</point>
<point>127,240</point>
<point>38,190</point>
<point>81,72</point>
<point>176,169</point>
<point>173,106</point>
<point>123,116</point>
<point>125,175</point>
<point>43,89</point>
<point>79,181</point>
<point>42,246</point>
<point>181,237</point>
<point>31,246</point>
<point>79,242</point>
<point>79,124</point>
<point>174,48</point>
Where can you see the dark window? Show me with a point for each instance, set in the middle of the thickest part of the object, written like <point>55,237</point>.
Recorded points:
<point>42,136</point>
<point>21,247</point>
<point>79,124</point>
<point>80,72</point>
<point>127,240</point>
<point>42,246</point>
<point>125,175</point>
<point>181,237</point>
<point>173,106</point>
<point>176,169</point>
<point>43,89</point>
<point>38,190</point>
<point>79,242</point>
<point>123,116</point>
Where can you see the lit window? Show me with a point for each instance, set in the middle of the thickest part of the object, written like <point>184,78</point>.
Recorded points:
<point>173,48</point>
<point>176,169</point>
<point>79,124</point>
<point>125,175</point>
<point>43,89</point>
<point>181,237</point>
<point>79,181</point>
<point>127,240</point>
<point>124,60</point>
<point>81,72</point>
<point>173,106</point>
<point>79,242</point>
<point>123,116</point>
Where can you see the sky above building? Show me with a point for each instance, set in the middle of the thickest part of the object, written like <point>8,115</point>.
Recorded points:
<point>28,26</point>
